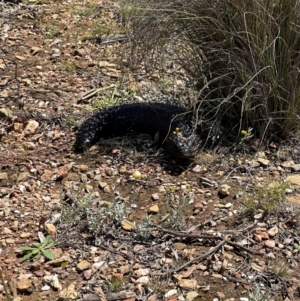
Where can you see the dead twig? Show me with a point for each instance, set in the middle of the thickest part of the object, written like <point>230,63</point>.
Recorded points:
<point>201,236</point>
<point>205,255</point>
<point>4,285</point>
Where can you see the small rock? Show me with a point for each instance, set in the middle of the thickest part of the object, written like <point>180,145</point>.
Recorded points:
<point>63,171</point>
<point>87,274</point>
<point>187,283</point>
<point>294,179</point>
<point>68,293</point>
<point>270,243</point>
<point>221,295</point>
<point>288,164</point>
<point>197,168</point>
<point>271,255</point>
<point>199,206</point>
<point>23,176</point>
<point>51,229</point>
<point>6,230</point>
<point>88,188</point>
<point>143,280</point>
<point>153,209</point>
<point>83,265</point>
<point>60,261</point>
<point>127,225</point>
<point>258,216</point>
<point>263,162</point>
<point>224,190</point>
<point>191,295</point>
<point>47,175</point>
<point>28,145</point>
<point>179,246</point>
<point>296,167</point>
<point>153,297</point>
<point>111,171</point>
<point>155,196</point>
<point>141,272</point>
<point>57,252</point>
<point>10,241</point>
<point>124,269</point>
<point>80,167</point>
<point>162,189</point>
<point>218,276</point>
<point>25,234</point>
<point>273,231</point>
<point>171,293</point>
<point>3,176</point>
<point>53,281</point>
<point>24,286</point>
<point>31,127</point>
<point>104,186</point>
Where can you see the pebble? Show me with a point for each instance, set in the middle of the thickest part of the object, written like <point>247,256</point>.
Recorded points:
<point>154,209</point>
<point>171,293</point>
<point>143,280</point>
<point>296,167</point>
<point>142,272</point>
<point>24,286</point>
<point>155,196</point>
<point>224,190</point>
<point>270,243</point>
<point>191,295</point>
<point>83,265</point>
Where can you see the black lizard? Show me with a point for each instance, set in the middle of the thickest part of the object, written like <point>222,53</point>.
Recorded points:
<point>174,125</point>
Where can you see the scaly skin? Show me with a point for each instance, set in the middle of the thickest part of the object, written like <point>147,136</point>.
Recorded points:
<point>173,123</point>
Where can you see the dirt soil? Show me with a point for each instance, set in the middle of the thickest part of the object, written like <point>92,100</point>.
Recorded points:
<point>131,222</point>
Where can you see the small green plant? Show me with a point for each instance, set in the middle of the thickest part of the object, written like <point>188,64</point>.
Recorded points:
<point>88,10</point>
<point>70,66</point>
<point>279,267</point>
<point>266,198</point>
<point>115,284</point>
<point>258,295</point>
<point>72,121</point>
<point>107,101</point>
<point>38,249</point>
<point>296,248</point>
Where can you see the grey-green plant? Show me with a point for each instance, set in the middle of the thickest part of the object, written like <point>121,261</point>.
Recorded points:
<point>38,249</point>
<point>177,212</point>
<point>279,267</point>
<point>93,214</point>
<point>258,295</point>
<point>141,229</point>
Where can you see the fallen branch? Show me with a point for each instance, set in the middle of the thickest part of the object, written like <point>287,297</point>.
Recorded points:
<point>201,236</point>
<point>198,258</point>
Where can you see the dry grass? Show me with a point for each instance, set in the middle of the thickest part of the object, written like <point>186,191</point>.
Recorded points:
<point>242,57</point>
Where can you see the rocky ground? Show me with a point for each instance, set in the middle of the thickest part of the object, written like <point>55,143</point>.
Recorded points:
<point>125,221</point>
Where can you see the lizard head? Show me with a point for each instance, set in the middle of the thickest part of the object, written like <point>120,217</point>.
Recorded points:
<point>183,141</point>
